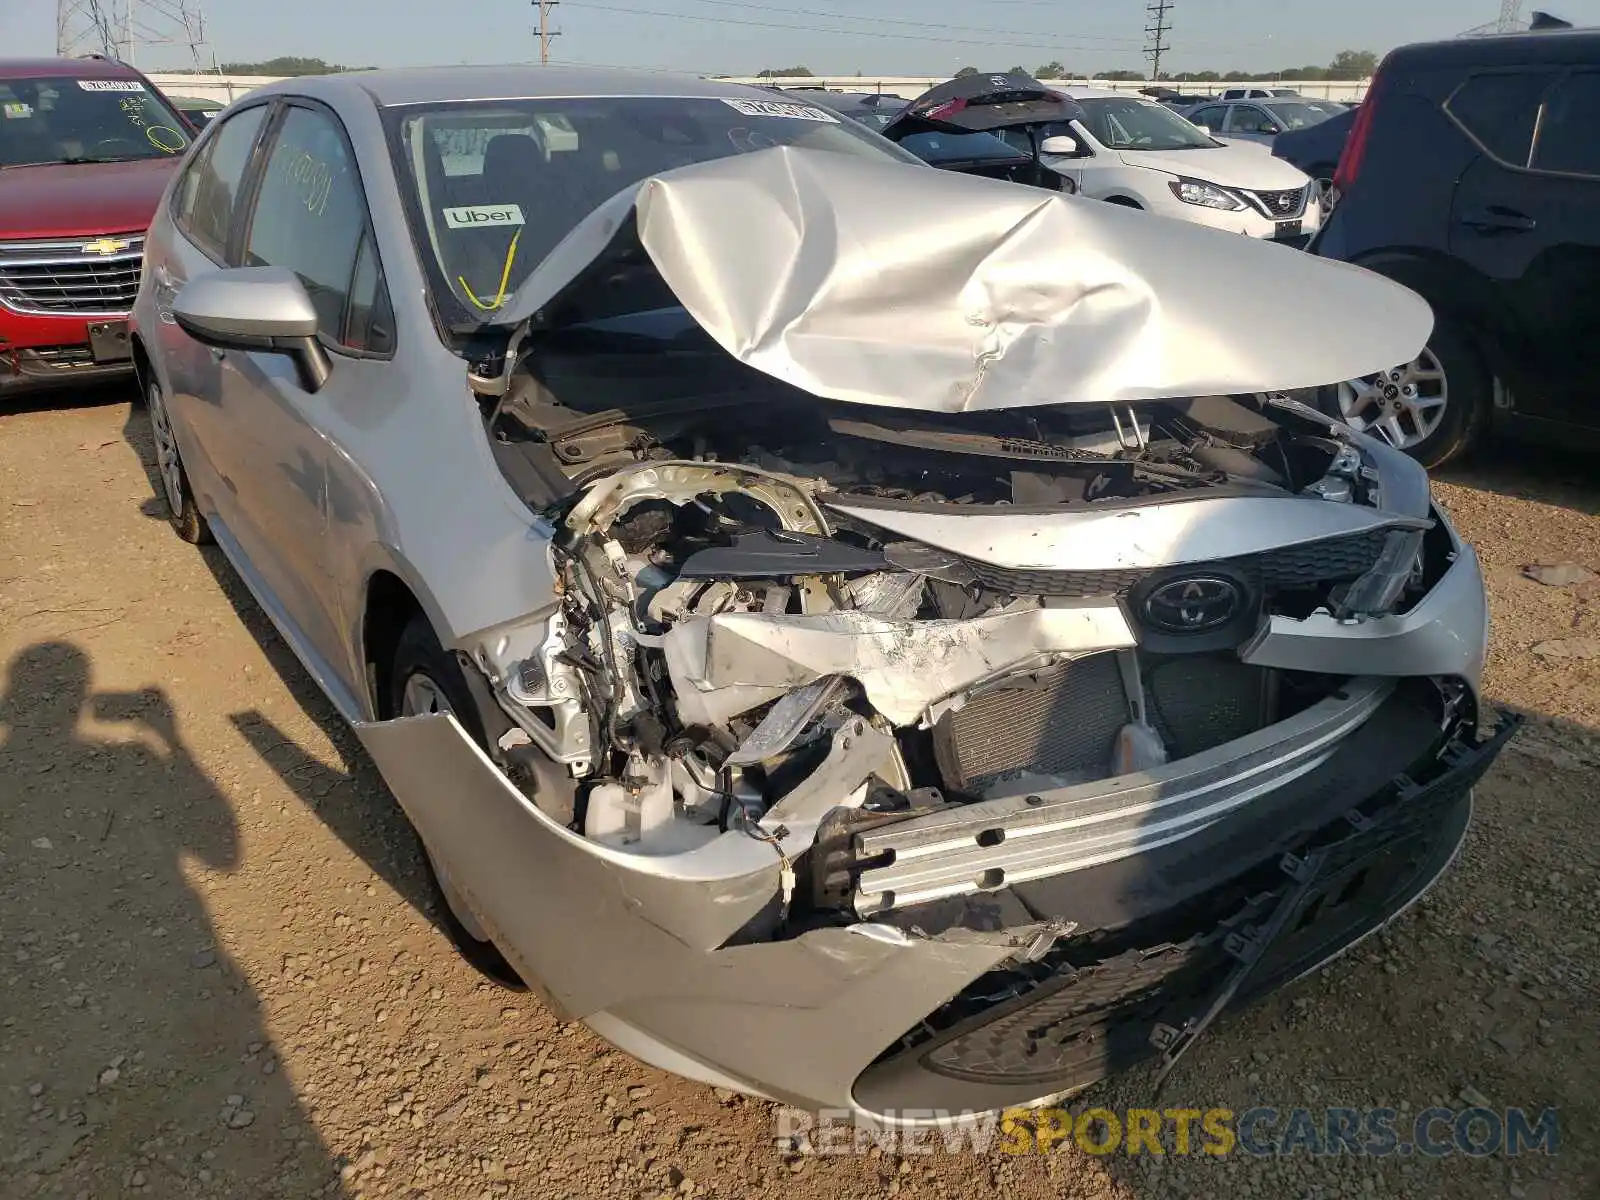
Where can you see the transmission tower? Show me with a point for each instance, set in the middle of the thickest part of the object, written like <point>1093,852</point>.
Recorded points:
<point>121,28</point>
<point>545,32</point>
<point>1156,34</point>
<point>1510,16</point>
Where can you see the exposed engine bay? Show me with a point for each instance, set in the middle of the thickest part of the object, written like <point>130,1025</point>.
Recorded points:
<point>747,640</point>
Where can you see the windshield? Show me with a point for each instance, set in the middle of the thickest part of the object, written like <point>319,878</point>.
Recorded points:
<point>497,184</point>
<point>65,120</point>
<point>1298,116</point>
<point>1127,124</point>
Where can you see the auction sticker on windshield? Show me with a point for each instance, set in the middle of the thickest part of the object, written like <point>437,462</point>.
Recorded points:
<point>773,108</point>
<point>111,85</point>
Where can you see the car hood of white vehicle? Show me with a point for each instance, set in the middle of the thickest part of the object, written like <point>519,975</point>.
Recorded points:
<point>873,282</point>
<point>1232,165</point>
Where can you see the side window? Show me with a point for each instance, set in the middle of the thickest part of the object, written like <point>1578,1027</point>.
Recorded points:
<point>210,185</point>
<point>1211,118</point>
<point>369,322</point>
<point>311,216</point>
<point>1499,111</point>
<point>1569,134</point>
<point>1243,118</point>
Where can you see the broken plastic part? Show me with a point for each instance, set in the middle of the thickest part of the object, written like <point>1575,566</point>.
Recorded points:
<point>781,554</point>
<point>724,665</point>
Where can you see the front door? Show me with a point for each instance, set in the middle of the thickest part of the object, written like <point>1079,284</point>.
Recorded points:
<point>310,215</point>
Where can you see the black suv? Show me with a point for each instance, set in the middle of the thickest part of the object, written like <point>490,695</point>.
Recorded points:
<point>1472,175</point>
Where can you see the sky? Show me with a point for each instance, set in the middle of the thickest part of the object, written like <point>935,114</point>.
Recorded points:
<point>842,37</point>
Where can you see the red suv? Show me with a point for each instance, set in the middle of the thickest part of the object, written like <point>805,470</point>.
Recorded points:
<point>86,148</point>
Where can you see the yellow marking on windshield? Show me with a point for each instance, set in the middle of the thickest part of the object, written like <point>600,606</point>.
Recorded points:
<point>165,139</point>
<point>505,278</point>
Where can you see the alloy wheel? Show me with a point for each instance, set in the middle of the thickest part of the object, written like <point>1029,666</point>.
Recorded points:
<point>1403,406</point>
<point>167,461</point>
<point>421,696</point>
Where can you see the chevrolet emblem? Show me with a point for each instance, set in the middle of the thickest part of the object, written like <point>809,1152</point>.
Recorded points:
<point>106,246</point>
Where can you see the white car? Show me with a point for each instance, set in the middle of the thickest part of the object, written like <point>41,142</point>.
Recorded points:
<point>1134,151</point>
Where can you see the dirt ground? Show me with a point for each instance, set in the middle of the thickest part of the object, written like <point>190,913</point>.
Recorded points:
<point>219,977</point>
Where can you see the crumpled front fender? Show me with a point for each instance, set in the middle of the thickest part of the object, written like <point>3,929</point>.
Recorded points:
<point>652,941</point>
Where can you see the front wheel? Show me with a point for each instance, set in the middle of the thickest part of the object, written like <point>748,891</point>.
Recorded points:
<point>1433,407</point>
<point>427,679</point>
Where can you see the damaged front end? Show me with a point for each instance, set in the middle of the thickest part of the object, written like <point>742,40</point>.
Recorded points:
<point>939,758</point>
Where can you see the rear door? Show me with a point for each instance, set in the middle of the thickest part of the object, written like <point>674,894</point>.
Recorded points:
<point>204,209</point>
<point>1526,215</point>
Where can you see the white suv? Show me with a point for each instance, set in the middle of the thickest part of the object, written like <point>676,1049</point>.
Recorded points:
<point>1134,151</point>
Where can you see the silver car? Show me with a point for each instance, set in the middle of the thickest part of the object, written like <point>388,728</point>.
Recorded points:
<point>849,632</point>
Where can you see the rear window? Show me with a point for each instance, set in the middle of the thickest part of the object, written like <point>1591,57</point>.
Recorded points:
<point>1499,111</point>
<point>1569,134</point>
<point>69,120</point>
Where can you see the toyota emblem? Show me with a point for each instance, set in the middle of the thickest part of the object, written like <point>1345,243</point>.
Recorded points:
<point>1193,604</point>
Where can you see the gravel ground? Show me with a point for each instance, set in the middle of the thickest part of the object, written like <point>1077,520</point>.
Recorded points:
<point>219,975</point>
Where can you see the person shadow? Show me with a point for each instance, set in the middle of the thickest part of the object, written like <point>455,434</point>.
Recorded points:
<point>134,1057</point>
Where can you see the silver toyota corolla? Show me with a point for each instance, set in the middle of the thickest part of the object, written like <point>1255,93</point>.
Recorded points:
<point>849,632</point>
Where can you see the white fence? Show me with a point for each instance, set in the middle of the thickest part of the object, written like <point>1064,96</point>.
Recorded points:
<point>227,88</point>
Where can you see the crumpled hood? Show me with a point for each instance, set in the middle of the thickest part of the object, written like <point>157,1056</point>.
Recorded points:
<point>880,283</point>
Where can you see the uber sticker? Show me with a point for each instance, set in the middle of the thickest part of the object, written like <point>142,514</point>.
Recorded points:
<point>479,216</point>
<point>111,85</point>
<point>774,108</point>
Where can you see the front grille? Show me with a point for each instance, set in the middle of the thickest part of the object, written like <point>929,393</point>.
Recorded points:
<point>1286,568</point>
<point>1063,722</point>
<point>1281,205</point>
<point>92,276</point>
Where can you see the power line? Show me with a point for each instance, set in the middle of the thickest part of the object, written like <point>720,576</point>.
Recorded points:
<point>1036,40</point>
<point>1157,45</point>
<point>874,19</point>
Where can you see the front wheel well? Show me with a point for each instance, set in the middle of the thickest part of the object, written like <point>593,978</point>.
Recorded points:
<point>1124,201</point>
<point>390,607</point>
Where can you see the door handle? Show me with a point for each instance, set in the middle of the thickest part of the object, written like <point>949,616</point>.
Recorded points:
<point>217,353</point>
<point>1497,219</point>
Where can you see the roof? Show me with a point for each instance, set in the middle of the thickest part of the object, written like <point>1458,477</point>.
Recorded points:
<point>1575,47</point>
<point>1099,93</point>
<point>442,85</point>
<point>71,68</point>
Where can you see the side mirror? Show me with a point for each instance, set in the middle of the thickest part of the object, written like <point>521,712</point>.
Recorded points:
<point>1205,129</point>
<point>255,308</point>
<point>1059,144</point>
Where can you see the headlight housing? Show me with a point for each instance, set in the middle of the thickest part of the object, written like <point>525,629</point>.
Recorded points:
<point>1206,195</point>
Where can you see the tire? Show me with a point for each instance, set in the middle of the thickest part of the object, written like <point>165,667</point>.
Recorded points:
<point>1463,383</point>
<point>421,662</point>
<point>177,497</point>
